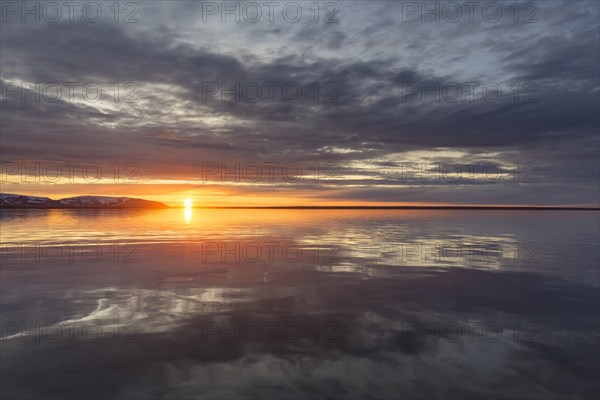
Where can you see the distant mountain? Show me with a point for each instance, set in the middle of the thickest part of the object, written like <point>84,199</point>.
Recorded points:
<point>20,201</point>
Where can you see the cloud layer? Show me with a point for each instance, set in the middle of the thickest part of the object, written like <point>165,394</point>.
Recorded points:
<point>370,93</point>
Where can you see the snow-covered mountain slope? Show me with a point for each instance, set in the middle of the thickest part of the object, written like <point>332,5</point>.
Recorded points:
<point>24,201</point>
<point>19,201</point>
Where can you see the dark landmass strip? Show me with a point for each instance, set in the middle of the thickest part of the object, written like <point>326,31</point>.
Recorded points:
<point>87,202</point>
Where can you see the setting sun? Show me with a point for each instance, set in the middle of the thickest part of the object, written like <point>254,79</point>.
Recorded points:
<point>187,203</point>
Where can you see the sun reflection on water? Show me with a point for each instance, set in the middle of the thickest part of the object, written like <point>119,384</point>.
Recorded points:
<point>187,211</point>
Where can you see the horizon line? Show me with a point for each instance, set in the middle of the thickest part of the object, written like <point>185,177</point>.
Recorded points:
<point>298,207</point>
<point>457,207</point>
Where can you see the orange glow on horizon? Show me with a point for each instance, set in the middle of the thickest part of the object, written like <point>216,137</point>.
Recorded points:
<point>182,196</point>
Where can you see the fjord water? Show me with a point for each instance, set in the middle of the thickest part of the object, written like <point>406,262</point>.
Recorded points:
<point>206,303</point>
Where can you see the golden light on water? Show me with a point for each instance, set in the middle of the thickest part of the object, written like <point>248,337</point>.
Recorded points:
<point>187,211</point>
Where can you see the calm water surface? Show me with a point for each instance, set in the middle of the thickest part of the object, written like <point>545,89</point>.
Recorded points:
<point>193,303</point>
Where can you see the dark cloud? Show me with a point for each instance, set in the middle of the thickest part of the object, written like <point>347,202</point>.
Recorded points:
<point>374,101</point>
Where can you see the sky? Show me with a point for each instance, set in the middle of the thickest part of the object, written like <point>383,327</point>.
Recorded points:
<point>302,103</point>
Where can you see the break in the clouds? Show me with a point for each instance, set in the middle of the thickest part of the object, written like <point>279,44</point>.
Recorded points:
<point>379,92</point>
